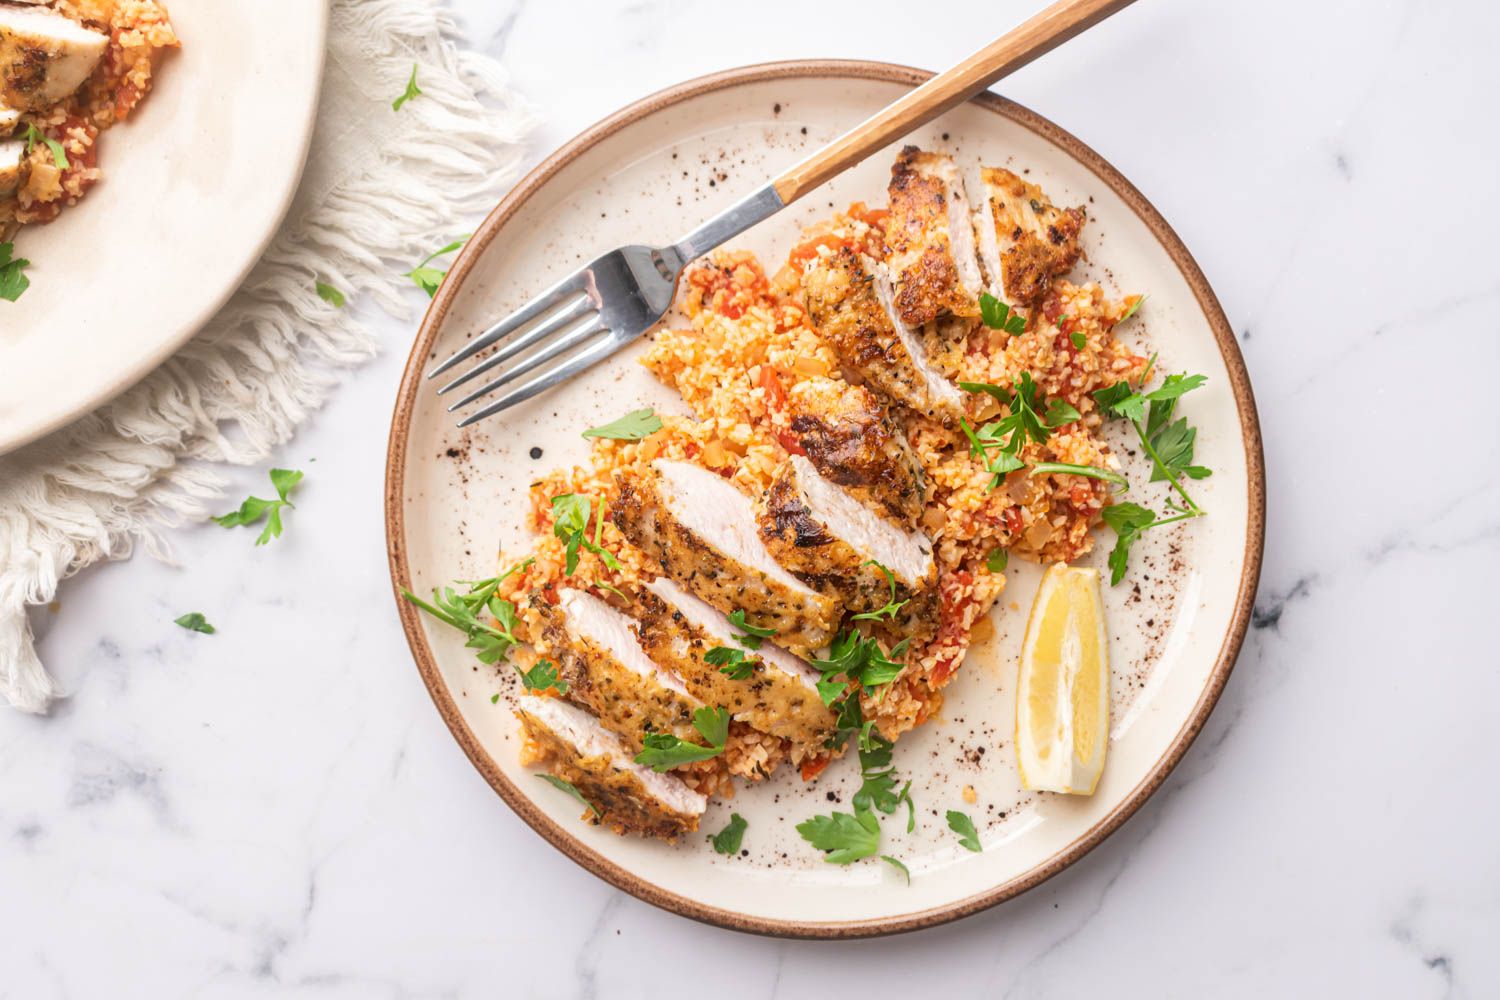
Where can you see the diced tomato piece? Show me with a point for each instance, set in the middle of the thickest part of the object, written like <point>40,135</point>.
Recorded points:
<point>812,768</point>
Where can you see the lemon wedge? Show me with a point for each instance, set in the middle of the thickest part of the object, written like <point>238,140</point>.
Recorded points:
<point>1062,699</point>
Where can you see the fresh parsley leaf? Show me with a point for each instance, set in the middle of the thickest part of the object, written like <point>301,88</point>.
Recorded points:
<point>194,621</point>
<point>254,508</point>
<point>429,278</point>
<point>1120,400</point>
<point>892,606</point>
<point>543,674</point>
<point>999,316</point>
<point>997,561</point>
<point>462,611</point>
<point>843,837</point>
<point>1060,412</point>
<point>12,281</point>
<point>329,294</point>
<point>878,778</point>
<point>962,825</point>
<point>1091,471</point>
<point>35,135</point>
<point>860,660</point>
<point>1079,340</point>
<point>894,863</point>
<point>632,426</point>
<point>1139,300</point>
<point>728,840</point>
<point>1007,436</point>
<point>412,90</point>
<point>571,789</point>
<point>570,522</point>
<point>731,662</point>
<point>749,636</point>
<point>1128,520</point>
<point>664,751</point>
<point>495,698</point>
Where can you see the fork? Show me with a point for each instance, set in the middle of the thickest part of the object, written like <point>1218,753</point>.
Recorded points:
<point>606,304</point>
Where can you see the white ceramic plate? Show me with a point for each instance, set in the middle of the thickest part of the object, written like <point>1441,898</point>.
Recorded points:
<point>648,175</point>
<point>195,184</point>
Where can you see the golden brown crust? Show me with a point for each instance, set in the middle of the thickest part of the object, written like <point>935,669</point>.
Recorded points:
<point>768,700</point>
<point>1039,241</point>
<point>625,804</point>
<point>844,305</point>
<point>852,441</point>
<point>804,622</point>
<point>921,245</point>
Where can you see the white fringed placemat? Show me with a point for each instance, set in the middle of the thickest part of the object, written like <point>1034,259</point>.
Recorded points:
<point>378,189</point>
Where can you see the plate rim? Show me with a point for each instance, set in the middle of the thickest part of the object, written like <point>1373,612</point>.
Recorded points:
<point>148,362</point>
<point>565,841</point>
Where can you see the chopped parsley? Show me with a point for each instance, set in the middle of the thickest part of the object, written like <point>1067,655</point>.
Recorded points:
<point>728,840</point>
<point>854,659</point>
<point>541,676</point>
<point>571,789</point>
<point>843,837</point>
<point>570,523</point>
<point>961,824</point>
<point>194,621</point>
<point>878,778</point>
<point>412,90</point>
<point>664,751</point>
<point>254,508</point>
<point>35,135</point>
<point>891,606</point>
<point>1168,443</point>
<point>1131,311</point>
<point>999,316</point>
<point>462,611</point>
<point>1078,340</point>
<point>997,561</point>
<point>731,662</point>
<point>998,444</point>
<point>429,278</point>
<point>632,426</point>
<point>1091,471</point>
<point>12,281</point>
<point>329,294</point>
<point>749,636</point>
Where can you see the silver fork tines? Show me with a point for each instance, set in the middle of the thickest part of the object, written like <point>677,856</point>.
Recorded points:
<point>590,314</point>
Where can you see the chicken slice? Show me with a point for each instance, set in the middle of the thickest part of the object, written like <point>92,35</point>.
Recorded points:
<point>849,298</point>
<point>832,541</point>
<point>628,796</point>
<point>931,239</point>
<point>9,119</point>
<point>1024,240</point>
<point>44,56</point>
<point>780,697</point>
<point>852,441</point>
<point>701,529</point>
<point>12,167</point>
<point>606,670</point>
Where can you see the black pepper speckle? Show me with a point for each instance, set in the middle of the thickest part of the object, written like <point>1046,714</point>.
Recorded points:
<point>536,453</point>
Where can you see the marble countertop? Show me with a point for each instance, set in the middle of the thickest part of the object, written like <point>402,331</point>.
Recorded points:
<point>280,808</point>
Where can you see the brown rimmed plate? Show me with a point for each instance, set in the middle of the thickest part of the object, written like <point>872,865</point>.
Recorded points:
<point>455,501</point>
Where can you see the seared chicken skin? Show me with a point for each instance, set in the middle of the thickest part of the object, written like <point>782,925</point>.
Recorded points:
<point>628,796</point>
<point>832,541</point>
<point>607,670</point>
<point>44,56</point>
<point>931,238</point>
<point>1024,240</point>
<point>852,441</point>
<point>780,695</point>
<point>701,529</point>
<point>849,300</point>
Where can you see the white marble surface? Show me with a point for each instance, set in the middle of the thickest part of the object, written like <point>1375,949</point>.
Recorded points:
<point>279,809</point>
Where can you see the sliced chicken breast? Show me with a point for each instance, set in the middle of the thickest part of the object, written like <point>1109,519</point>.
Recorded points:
<point>780,697</point>
<point>607,670</point>
<point>44,56</point>
<point>1024,240</point>
<point>701,529</point>
<point>931,238</point>
<point>9,119</point>
<point>829,539</point>
<point>852,441</point>
<point>849,298</point>
<point>12,167</point>
<point>629,797</point>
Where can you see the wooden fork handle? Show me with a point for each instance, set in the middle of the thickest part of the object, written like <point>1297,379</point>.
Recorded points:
<point>1015,49</point>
